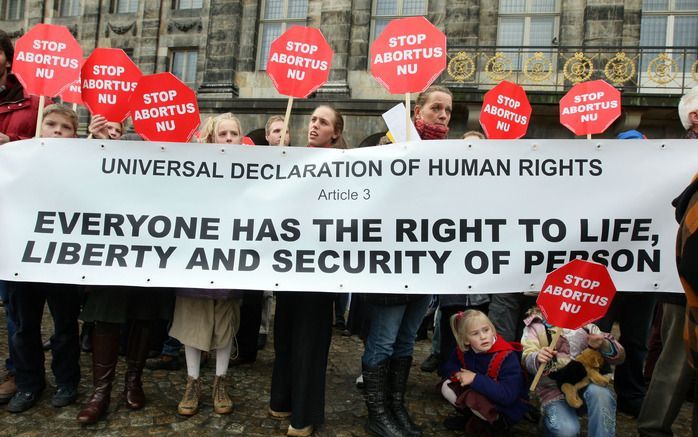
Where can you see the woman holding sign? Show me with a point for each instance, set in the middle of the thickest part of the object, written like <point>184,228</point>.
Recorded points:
<point>303,323</point>
<point>208,319</point>
<point>395,318</point>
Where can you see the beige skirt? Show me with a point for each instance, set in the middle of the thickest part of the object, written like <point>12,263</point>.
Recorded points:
<point>205,324</point>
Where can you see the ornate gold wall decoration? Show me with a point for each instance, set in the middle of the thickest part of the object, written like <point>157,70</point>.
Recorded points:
<point>461,67</point>
<point>620,69</point>
<point>538,68</point>
<point>662,69</point>
<point>578,68</point>
<point>498,67</point>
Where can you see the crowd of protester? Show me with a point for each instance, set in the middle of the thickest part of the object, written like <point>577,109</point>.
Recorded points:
<point>484,347</point>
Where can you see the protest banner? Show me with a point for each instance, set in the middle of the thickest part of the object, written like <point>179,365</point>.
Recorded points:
<point>109,77</point>
<point>407,57</point>
<point>299,63</point>
<point>47,58</point>
<point>163,108</point>
<point>505,112</point>
<point>590,107</point>
<point>574,295</point>
<point>395,218</point>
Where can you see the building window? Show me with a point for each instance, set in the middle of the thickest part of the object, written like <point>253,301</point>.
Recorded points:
<point>188,4</point>
<point>277,16</point>
<point>12,10</point>
<point>384,11</point>
<point>183,65</point>
<point>69,8</point>
<point>126,6</point>
<point>669,23</point>
<point>527,23</point>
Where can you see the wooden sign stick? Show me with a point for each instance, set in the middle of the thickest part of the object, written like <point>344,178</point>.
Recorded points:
<point>40,115</point>
<point>553,343</point>
<point>287,118</point>
<point>408,120</point>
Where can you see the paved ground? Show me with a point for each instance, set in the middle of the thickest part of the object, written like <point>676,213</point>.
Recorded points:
<point>249,389</point>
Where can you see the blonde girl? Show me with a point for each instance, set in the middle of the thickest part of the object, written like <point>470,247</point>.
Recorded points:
<point>486,383</point>
<point>208,319</point>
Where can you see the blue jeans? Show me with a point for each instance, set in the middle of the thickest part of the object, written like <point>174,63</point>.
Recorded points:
<point>11,325</point>
<point>393,330</point>
<point>561,420</point>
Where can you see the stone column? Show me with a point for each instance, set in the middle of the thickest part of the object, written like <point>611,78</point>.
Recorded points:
<point>335,24</point>
<point>223,42</point>
<point>462,23</point>
<point>603,23</point>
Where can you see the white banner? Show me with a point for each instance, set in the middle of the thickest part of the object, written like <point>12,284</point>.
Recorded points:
<point>443,217</point>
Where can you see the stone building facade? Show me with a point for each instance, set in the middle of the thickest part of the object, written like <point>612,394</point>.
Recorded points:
<point>217,47</point>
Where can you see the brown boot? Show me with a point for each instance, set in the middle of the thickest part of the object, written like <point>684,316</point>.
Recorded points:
<point>8,388</point>
<point>136,354</point>
<point>105,352</point>
<point>222,404</point>
<point>189,405</point>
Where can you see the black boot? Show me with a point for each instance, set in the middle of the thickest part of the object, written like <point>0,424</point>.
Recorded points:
<point>398,373</point>
<point>136,354</point>
<point>380,421</point>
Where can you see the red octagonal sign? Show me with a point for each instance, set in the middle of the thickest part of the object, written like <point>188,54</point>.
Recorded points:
<point>47,58</point>
<point>505,112</point>
<point>299,61</point>
<point>590,107</point>
<point>108,80</point>
<point>163,108</point>
<point>408,55</point>
<point>578,293</point>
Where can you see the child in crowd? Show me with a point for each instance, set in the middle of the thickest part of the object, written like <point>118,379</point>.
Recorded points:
<point>208,319</point>
<point>486,384</point>
<point>559,418</point>
<point>59,122</point>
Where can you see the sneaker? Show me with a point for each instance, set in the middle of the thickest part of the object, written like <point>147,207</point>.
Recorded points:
<point>8,388</point>
<point>306,431</point>
<point>279,414</point>
<point>222,404</point>
<point>22,401</point>
<point>163,362</point>
<point>189,405</point>
<point>64,396</point>
<point>430,364</point>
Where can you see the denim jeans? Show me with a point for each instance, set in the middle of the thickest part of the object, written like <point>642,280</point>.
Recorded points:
<point>393,330</point>
<point>11,325</point>
<point>561,420</point>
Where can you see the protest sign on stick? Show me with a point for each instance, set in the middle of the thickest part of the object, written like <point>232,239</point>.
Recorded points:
<point>576,294</point>
<point>407,57</point>
<point>108,80</point>
<point>506,112</point>
<point>590,107</point>
<point>163,108</point>
<point>299,63</point>
<point>47,58</point>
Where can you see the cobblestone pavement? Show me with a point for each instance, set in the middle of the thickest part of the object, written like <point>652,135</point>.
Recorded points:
<point>249,388</point>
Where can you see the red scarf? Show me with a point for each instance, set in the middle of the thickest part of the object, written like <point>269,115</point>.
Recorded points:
<point>431,131</point>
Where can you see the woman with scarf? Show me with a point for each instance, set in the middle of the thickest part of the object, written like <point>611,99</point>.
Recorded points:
<point>395,318</point>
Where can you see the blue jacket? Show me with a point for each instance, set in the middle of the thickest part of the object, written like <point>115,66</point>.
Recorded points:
<point>508,391</point>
